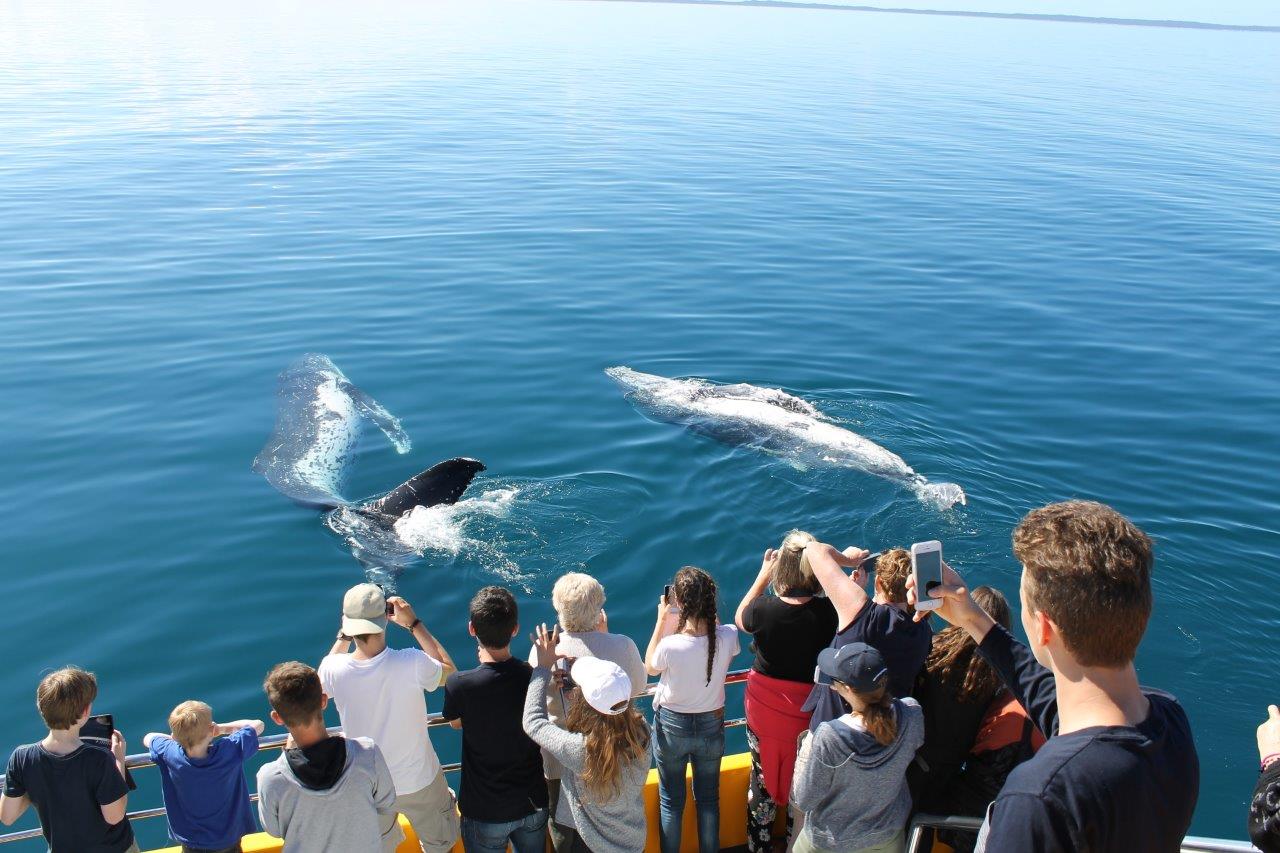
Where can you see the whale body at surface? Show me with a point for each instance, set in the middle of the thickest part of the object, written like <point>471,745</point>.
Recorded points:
<point>773,421</point>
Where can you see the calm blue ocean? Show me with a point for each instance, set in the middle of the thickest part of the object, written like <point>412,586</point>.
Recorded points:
<point>1039,260</point>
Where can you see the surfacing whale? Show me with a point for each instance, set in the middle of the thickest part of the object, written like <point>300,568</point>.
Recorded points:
<point>773,421</point>
<point>319,420</point>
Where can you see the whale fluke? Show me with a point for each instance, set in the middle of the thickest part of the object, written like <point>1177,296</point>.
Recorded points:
<point>442,483</point>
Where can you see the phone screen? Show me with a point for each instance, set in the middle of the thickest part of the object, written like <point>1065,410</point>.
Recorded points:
<point>928,570</point>
<point>98,728</point>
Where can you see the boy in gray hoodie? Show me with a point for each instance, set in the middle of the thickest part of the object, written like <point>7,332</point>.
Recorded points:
<point>326,793</point>
<point>851,773</point>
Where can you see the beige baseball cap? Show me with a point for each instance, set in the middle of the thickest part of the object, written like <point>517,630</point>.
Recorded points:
<point>364,610</point>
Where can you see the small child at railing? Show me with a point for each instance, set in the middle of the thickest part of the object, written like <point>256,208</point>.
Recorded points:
<point>205,795</point>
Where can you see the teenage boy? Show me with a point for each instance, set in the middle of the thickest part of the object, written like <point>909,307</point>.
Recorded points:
<point>503,795</point>
<point>326,793</point>
<point>883,621</point>
<point>379,694</point>
<point>205,796</point>
<point>79,790</point>
<point>1119,771</point>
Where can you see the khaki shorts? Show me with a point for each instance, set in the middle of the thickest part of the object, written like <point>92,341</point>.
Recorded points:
<point>433,813</point>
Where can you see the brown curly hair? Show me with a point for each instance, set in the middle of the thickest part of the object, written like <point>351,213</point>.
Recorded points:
<point>954,658</point>
<point>694,592</point>
<point>612,742</point>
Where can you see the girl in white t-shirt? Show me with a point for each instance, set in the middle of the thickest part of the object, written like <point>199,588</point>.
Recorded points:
<point>691,651</point>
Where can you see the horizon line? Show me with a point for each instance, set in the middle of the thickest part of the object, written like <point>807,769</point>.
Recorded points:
<point>960,13</point>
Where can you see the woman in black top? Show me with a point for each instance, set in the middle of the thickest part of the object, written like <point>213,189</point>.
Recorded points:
<point>788,630</point>
<point>955,689</point>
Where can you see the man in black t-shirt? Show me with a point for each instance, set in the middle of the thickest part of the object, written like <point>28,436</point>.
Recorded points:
<point>503,795</point>
<point>1119,772</point>
<point>78,789</point>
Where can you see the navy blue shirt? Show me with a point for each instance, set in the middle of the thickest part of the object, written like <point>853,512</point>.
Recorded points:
<point>207,799</point>
<point>69,792</point>
<point>1104,788</point>
<point>903,643</point>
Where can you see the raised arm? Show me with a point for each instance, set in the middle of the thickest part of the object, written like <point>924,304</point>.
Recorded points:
<point>846,592</point>
<point>404,616</point>
<point>1028,681</point>
<point>758,586</point>
<point>114,812</point>
<point>664,626</point>
<point>565,746</point>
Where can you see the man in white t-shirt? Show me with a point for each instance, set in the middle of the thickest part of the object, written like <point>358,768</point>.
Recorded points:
<point>379,694</point>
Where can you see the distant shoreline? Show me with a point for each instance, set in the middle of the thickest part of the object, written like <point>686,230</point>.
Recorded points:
<point>958,13</point>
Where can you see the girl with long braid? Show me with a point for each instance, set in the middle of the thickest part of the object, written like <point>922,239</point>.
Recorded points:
<point>691,651</point>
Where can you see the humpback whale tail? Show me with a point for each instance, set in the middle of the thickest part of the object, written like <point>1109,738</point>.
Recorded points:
<point>941,495</point>
<point>442,483</point>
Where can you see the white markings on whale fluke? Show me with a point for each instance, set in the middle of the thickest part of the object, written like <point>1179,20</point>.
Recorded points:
<point>319,420</point>
<point>774,421</point>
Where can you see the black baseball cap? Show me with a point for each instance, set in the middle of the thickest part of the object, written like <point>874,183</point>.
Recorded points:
<point>858,665</point>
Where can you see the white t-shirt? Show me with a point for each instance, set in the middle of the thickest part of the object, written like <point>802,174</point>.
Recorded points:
<point>382,699</point>
<point>682,659</point>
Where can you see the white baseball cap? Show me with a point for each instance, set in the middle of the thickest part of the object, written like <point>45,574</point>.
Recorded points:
<point>364,610</point>
<point>603,684</point>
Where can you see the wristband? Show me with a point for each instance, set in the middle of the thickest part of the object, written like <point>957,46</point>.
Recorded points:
<point>416,623</point>
<point>1268,760</point>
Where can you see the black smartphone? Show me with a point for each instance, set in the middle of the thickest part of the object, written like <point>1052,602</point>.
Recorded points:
<point>666,593</point>
<point>98,729</point>
<point>869,564</point>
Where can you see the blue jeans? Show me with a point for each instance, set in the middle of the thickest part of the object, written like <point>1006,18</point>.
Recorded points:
<point>527,835</point>
<point>679,740</point>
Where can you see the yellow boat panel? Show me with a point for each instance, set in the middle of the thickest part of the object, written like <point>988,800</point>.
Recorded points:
<point>734,773</point>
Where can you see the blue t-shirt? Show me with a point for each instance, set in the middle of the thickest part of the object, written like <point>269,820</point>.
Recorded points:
<point>207,798</point>
<point>904,644</point>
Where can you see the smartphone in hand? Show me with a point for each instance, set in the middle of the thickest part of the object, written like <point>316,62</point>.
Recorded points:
<point>926,568</point>
<point>97,730</point>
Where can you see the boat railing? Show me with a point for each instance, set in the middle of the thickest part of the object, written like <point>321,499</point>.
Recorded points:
<point>916,837</point>
<point>143,760</point>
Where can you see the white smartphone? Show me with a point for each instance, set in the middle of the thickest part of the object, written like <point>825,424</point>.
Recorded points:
<point>926,568</point>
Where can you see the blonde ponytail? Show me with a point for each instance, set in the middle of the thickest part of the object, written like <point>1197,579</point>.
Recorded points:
<point>792,574</point>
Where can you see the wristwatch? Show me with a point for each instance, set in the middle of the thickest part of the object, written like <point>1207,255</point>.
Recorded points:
<point>416,623</point>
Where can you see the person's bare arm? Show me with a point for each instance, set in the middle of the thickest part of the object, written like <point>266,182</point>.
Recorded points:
<point>662,626</point>
<point>457,724</point>
<point>341,645</point>
<point>846,592</point>
<point>12,808</point>
<point>404,616</point>
<point>758,586</point>
<point>114,812</point>
<point>236,725</point>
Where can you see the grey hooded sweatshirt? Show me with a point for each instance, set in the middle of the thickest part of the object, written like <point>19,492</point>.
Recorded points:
<point>345,817</point>
<point>853,789</point>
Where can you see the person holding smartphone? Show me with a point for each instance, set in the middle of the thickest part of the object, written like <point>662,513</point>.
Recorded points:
<point>691,651</point>
<point>884,621</point>
<point>78,790</point>
<point>1119,770</point>
<point>788,629</point>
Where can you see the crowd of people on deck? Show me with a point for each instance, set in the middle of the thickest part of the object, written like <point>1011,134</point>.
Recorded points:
<point>858,715</point>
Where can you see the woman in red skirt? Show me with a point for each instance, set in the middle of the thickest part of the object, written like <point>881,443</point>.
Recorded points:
<point>788,629</point>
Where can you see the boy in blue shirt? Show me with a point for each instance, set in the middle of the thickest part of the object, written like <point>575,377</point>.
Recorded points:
<point>205,793</point>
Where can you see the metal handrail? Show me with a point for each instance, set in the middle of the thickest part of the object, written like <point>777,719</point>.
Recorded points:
<point>916,830</point>
<point>921,822</point>
<point>142,760</point>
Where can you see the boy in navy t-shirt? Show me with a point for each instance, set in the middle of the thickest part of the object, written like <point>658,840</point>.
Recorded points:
<point>1119,771</point>
<point>79,790</point>
<point>205,794</point>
